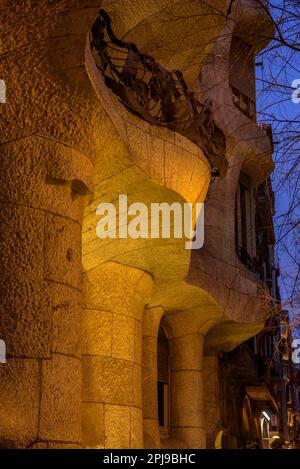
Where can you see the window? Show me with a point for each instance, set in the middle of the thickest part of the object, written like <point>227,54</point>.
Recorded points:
<point>245,223</point>
<point>163,380</point>
<point>245,104</point>
<point>242,76</point>
<point>269,346</point>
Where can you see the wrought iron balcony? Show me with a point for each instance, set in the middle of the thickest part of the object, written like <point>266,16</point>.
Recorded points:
<point>157,95</point>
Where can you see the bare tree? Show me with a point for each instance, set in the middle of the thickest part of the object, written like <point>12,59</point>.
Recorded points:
<point>278,77</point>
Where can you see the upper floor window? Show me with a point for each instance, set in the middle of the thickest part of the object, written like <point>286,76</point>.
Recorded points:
<point>245,222</point>
<point>242,76</point>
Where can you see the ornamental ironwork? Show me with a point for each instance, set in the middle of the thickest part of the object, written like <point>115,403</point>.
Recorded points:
<point>157,95</point>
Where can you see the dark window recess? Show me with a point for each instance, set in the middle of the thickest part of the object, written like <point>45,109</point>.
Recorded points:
<point>251,345</point>
<point>161,404</point>
<point>247,260</point>
<point>244,223</point>
<point>162,378</point>
<point>244,103</point>
<point>245,227</point>
<point>269,346</point>
<point>162,357</point>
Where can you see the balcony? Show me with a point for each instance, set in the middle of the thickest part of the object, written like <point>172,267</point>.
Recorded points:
<point>155,94</point>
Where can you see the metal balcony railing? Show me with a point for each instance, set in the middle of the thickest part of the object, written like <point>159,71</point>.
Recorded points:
<point>157,95</point>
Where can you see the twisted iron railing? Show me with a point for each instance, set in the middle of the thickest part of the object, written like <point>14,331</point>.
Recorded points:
<point>159,96</point>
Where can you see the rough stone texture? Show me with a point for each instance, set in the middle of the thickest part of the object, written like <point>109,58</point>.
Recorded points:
<point>123,337</point>
<point>66,311</point>
<point>46,157</point>
<point>117,426</point>
<point>55,135</point>
<point>20,388</point>
<point>26,167</point>
<point>107,380</point>
<point>105,286</point>
<point>211,399</point>
<point>151,434</point>
<point>62,250</point>
<point>114,298</point>
<point>97,330</point>
<point>93,425</point>
<point>25,317</point>
<point>22,242</point>
<point>186,352</point>
<point>187,404</point>
<point>60,409</point>
<point>150,377</point>
<point>136,437</point>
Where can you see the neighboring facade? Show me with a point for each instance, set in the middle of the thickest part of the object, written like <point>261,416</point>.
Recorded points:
<point>257,390</point>
<point>115,343</point>
<point>257,380</point>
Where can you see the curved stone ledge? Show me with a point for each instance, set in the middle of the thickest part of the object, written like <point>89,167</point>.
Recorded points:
<point>169,158</point>
<point>171,31</point>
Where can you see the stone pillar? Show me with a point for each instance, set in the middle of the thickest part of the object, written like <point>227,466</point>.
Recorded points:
<point>187,418</point>
<point>114,299</point>
<point>211,398</point>
<point>40,251</point>
<point>152,317</point>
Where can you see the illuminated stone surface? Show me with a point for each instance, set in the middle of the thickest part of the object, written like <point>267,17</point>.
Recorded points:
<point>67,145</point>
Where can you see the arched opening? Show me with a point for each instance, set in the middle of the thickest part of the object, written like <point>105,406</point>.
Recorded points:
<point>163,381</point>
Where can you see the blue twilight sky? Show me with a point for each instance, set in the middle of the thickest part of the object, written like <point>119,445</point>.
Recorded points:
<point>275,79</point>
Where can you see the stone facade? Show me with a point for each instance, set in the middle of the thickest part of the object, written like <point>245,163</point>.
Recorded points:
<point>81,315</point>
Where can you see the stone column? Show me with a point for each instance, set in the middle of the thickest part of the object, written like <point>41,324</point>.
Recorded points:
<point>40,291</point>
<point>211,398</point>
<point>114,299</point>
<point>187,417</point>
<point>152,317</point>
